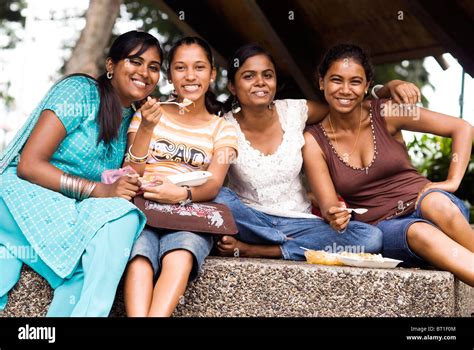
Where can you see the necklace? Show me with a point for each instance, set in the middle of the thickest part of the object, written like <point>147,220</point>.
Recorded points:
<point>358,133</point>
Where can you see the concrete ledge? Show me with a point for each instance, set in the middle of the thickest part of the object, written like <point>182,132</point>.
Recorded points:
<point>261,287</point>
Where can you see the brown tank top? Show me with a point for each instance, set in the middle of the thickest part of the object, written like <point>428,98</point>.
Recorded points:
<point>388,187</point>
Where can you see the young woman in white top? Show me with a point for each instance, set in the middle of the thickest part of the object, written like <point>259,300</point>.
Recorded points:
<point>265,190</point>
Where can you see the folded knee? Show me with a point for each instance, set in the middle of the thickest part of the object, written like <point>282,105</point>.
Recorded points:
<point>374,242</point>
<point>435,204</point>
<point>418,236</point>
<point>369,237</point>
<point>178,257</point>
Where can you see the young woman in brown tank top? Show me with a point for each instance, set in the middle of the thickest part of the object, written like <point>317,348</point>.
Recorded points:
<point>358,152</point>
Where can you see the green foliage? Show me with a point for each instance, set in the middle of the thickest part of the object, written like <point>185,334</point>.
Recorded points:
<point>432,157</point>
<point>412,71</point>
<point>152,19</point>
<point>4,96</point>
<point>10,10</point>
<point>10,20</point>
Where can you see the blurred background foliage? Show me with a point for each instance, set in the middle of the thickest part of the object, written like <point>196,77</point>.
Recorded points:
<point>412,71</point>
<point>432,156</point>
<point>11,20</point>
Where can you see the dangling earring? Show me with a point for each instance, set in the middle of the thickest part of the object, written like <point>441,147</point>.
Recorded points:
<point>109,75</point>
<point>270,106</point>
<point>235,107</point>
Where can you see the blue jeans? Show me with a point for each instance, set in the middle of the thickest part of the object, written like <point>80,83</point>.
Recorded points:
<point>395,244</point>
<point>291,234</point>
<point>154,244</point>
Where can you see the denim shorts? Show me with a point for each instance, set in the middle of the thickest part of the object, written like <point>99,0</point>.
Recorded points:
<point>154,244</point>
<point>395,244</point>
<point>291,234</point>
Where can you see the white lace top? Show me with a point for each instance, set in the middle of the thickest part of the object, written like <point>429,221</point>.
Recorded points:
<point>272,183</point>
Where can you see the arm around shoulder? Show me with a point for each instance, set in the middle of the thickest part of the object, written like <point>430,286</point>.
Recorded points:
<point>317,111</point>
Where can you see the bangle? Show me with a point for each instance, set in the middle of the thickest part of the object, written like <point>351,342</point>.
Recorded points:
<point>375,89</point>
<point>76,187</point>
<point>137,160</point>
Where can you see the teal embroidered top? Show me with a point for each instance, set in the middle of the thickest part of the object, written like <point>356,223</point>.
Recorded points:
<point>57,227</point>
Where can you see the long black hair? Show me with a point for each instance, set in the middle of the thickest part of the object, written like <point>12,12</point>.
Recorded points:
<point>213,106</point>
<point>239,57</point>
<point>110,106</point>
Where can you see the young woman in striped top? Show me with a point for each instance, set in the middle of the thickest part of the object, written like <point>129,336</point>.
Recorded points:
<point>165,140</point>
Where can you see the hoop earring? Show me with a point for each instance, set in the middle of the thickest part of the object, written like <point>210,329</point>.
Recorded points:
<point>109,75</point>
<point>270,106</point>
<point>235,107</point>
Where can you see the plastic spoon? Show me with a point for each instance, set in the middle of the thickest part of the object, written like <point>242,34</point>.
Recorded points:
<point>186,102</point>
<point>357,210</point>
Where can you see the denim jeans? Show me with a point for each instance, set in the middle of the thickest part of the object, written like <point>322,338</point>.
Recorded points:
<point>395,244</point>
<point>256,227</point>
<point>154,244</point>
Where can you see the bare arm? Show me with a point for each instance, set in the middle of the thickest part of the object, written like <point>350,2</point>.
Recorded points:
<point>431,122</point>
<point>401,92</point>
<point>321,184</point>
<point>35,158</point>
<point>139,142</point>
<point>170,193</point>
<point>45,138</point>
<point>316,111</point>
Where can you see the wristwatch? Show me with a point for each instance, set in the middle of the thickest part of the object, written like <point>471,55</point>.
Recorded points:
<point>189,198</point>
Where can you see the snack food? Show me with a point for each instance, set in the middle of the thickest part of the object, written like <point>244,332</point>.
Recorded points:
<point>363,256</point>
<point>321,257</point>
<point>149,181</point>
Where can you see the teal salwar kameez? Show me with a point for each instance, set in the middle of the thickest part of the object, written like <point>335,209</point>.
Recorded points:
<point>80,247</point>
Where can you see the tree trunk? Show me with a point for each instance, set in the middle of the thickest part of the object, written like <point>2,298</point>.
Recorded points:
<point>89,49</point>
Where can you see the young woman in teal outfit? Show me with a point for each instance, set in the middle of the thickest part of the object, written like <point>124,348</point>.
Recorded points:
<point>56,216</point>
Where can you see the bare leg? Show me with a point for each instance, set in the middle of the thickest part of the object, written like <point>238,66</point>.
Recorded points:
<point>229,246</point>
<point>439,209</point>
<point>176,267</point>
<point>440,250</point>
<point>138,287</point>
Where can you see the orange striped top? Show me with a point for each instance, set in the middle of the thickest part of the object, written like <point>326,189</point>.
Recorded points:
<point>177,148</point>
